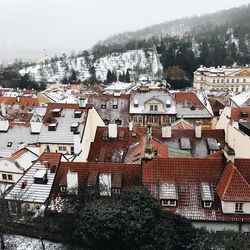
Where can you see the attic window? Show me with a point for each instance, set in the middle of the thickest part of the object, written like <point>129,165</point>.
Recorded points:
<point>52,127</point>
<point>168,104</point>
<point>40,177</point>
<point>136,103</point>
<point>115,104</point>
<point>78,114</point>
<point>103,105</point>
<point>9,144</point>
<point>238,207</point>
<point>244,114</point>
<point>56,112</point>
<point>118,121</point>
<point>74,127</point>
<point>106,121</point>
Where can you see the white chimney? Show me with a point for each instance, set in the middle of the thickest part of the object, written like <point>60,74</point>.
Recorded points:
<point>197,130</point>
<point>4,125</point>
<point>166,131</point>
<point>72,182</point>
<point>131,123</point>
<point>3,109</point>
<point>112,128</point>
<point>77,143</point>
<point>35,127</point>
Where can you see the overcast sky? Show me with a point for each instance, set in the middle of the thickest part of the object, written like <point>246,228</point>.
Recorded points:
<point>27,27</point>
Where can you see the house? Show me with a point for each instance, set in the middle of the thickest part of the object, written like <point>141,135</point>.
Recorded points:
<point>113,108</point>
<point>69,129</point>
<point>212,192</point>
<point>123,145</point>
<point>182,140</point>
<point>236,123</point>
<point>103,179</point>
<point>32,191</point>
<point>194,107</point>
<point>235,79</point>
<point>13,168</point>
<point>13,137</point>
<point>154,107</point>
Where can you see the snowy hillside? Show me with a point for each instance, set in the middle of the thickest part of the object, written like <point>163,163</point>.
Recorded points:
<point>138,61</point>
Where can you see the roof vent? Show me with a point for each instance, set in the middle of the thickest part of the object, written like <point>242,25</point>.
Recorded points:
<point>78,114</point>
<point>52,126</point>
<point>244,114</point>
<point>74,127</point>
<point>56,112</point>
<point>24,184</point>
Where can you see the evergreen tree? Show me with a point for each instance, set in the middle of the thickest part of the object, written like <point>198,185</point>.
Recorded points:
<point>109,76</point>
<point>92,72</point>
<point>127,76</point>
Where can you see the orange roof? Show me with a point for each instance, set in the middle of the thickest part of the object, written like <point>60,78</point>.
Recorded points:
<point>190,96</point>
<point>18,153</point>
<point>232,186</point>
<point>236,113</point>
<point>182,124</point>
<point>21,100</point>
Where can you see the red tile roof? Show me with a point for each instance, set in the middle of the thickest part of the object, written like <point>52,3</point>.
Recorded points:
<point>188,96</point>
<point>232,185</point>
<point>236,114</point>
<point>129,172</point>
<point>21,100</point>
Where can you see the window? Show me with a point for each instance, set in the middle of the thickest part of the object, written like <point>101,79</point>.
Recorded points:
<point>63,189</point>
<point>213,80</point>
<point>106,121</point>
<point>10,178</point>
<point>238,80</point>
<point>222,80</point>
<point>9,144</point>
<point>38,207</point>
<point>201,78</point>
<point>151,119</point>
<point>171,203</point>
<point>232,80</point>
<point>4,176</point>
<point>27,206</point>
<point>227,80</point>
<point>118,121</point>
<point>155,107</point>
<point>236,90</point>
<point>207,203</point>
<point>103,106</point>
<point>62,148</point>
<point>140,119</point>
<point>238,207</point>
<point>151,107</point>
<point>232,89</point>
<point>244,80</point>
<point>218,80</point>
<point>172,119</point>
<point>135,119</point>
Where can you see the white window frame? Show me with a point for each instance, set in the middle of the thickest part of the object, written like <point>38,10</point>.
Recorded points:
<point>207,204</point>
<point>239,207</point>
<point>168,203</point>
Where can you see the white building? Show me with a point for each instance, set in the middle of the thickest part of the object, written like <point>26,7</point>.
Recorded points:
<point>222,78</point>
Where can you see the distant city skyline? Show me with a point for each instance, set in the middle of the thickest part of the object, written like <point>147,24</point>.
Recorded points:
<point>29,28</point>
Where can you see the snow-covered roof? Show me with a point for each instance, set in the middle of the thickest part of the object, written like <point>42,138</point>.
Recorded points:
<point>10,141</point>
<point>63,133</point>
<point>141,98</point>
<point>243,99</point>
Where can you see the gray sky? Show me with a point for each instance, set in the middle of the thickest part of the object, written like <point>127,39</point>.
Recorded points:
<point>27,27</point>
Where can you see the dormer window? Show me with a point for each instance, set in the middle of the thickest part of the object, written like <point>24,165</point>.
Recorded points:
<point>56,112</point>
<point>52,126</point>
<point>78,114</point>
<point>106,121</point>
<point>40,177</point>
<point>63,189</point>
<point>207,195</point>
<point>115,104</point>
<point>74,127</point>
<point>168,194</point>
<point>118,121</point>
<point>168,104</point>
<point>238,207</point>
<point>136,103</point>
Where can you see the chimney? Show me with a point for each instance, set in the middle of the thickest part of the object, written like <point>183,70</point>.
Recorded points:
<point>46,164</point>
<point>197,130</point>
<point>112,129</point>
<point>229,153</point>
<point>4,125</point>
<point>166,131</point>
<point>77,143</point>
<point>72,182</point>
<point>131,123</point>
<point>3,109</point>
